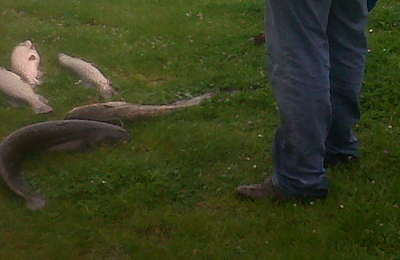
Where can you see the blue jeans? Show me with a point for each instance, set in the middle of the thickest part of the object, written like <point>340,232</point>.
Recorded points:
<point>371,4</point>
<point>317,51</point>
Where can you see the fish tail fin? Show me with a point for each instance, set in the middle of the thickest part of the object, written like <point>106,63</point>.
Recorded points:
<point>42,109</point>
<point>193,101</point>
<point>42,99</point>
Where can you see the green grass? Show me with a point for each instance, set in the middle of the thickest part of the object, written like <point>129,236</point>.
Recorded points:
<point>168,194</point>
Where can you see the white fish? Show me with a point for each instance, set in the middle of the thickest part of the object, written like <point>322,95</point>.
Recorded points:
<point>88,73</point>
<point>18,91</point>
<point>25,61</point>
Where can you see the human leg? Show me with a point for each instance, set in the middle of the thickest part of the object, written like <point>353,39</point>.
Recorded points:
<point>348,48</point>
<point>299,73</point>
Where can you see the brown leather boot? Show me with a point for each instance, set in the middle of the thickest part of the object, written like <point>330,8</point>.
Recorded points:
<point>259,191</point>
<point>266,190</point>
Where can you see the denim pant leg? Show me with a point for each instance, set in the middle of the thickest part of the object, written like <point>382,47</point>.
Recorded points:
<point>348,48</point>
<point>299,73</point>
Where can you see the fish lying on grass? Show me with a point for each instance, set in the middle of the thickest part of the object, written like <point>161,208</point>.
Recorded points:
<point>114,112</point>
<point>89,74</point>
<point>50,136</point>
<point>25,61</point>
<point>18,92</point>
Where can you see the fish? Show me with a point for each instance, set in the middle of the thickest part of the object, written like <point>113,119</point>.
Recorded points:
<point>25,62</point>
<point>115,112</point>
<point>89,74</point>
<point>19,92</point>
<point>50,137</point>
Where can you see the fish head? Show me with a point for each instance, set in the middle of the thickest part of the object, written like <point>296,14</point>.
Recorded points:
<point>109,134</point>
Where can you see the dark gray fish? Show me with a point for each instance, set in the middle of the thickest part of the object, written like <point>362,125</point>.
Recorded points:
<point>51,136</point>
<point>114,112</point>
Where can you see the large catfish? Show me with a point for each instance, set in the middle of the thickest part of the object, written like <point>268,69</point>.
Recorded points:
<point>51,136</point>
<point>114,112</point>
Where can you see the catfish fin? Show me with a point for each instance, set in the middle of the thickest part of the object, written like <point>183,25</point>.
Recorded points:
<point>43,99</point>
<point>75,145</point>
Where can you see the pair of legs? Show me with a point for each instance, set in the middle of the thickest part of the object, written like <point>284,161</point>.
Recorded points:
<point>317,51</point>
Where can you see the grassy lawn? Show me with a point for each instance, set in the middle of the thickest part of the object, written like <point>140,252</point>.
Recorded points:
<point>169,193</point>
